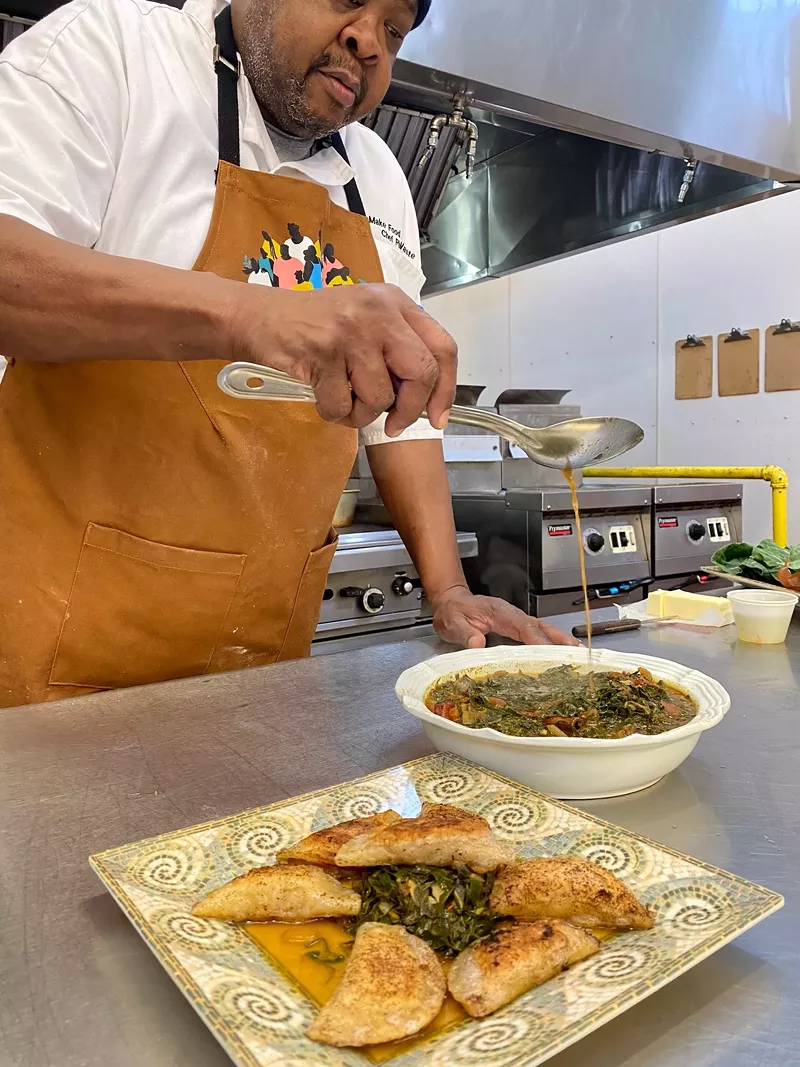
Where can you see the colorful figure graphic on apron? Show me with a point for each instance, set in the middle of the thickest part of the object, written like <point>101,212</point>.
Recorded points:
<point>302,283</point>
<point>297,242</point>
<point>286,268</point>
<point>313,268</point>
<point>340,276</point>
<point>329,263</point>
<point>279,265</point>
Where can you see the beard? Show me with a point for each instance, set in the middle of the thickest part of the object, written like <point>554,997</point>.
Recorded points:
<point>279,90</point>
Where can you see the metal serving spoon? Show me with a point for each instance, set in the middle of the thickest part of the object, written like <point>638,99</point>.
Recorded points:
<point>575,444</point>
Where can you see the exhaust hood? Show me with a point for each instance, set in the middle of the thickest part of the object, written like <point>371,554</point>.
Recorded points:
<point>597,120</point>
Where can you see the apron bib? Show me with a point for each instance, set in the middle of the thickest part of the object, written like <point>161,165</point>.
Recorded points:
<point>153,527</point>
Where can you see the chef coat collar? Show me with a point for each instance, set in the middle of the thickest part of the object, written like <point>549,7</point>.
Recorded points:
<point>326,167</point>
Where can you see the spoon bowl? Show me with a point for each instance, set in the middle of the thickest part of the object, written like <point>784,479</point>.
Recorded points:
<point>572,445</point>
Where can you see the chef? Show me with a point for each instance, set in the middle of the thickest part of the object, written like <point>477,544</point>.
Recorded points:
<point>153,158</point>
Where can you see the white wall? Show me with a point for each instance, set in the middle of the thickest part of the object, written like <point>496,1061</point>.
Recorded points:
<point>604,324</point>
<point>572,324</point>
<point>589,323</point>
<point>739,268</point>
<point>478,318</point>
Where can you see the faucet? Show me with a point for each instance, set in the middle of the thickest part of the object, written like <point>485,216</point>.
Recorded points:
<point>468,130</point>
<point>688,178</point>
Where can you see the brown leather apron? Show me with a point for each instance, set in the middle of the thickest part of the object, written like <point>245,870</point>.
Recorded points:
<point>152,527</point>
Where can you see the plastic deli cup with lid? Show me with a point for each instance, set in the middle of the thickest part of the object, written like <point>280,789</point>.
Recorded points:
<point>762,617</point>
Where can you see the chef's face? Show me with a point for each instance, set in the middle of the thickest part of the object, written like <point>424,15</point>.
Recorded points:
<point>316,65</point>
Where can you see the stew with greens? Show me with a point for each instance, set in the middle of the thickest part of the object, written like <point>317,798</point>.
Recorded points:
<point>562,702</point>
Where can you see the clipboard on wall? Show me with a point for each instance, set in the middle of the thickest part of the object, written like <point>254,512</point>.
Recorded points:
<point>738,362</point>
<point>694,368</point>
<point>782,357</point>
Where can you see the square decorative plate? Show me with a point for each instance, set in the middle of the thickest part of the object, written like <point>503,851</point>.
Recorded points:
<point>260,1016</point>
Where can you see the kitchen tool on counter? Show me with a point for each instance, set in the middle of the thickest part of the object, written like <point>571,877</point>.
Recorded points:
<point>575,444</point>
<point>619,626</point>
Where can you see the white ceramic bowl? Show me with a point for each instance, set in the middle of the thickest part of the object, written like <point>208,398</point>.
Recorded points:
<point>571,768</point>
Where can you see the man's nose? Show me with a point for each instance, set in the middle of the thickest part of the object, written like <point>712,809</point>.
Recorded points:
<point>362,38</point>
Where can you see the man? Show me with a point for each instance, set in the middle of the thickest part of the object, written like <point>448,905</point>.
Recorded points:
<point>153,527</point>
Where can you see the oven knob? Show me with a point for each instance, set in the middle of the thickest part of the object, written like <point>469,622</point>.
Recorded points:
<point>595,541</point>
<point>402,586</point>
<point>373,601</point>
<point>695,531</point>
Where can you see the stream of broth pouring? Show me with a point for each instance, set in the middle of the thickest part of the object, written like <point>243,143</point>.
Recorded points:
<point>570,478</point>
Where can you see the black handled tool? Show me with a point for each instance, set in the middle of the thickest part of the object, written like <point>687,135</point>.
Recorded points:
<point>619,626</point>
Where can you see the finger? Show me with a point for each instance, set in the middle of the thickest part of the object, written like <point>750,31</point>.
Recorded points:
<point>445,351</point>
<point>411,400</point>
<point>361,415</point>
<point>531,633</point>
<point>414,371</point>
<point>371,385</point>
<point>513,623</point>
<point>559,637</point>
<point>332,391</point>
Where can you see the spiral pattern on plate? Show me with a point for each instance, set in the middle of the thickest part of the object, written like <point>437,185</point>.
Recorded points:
<point>257,1005</point>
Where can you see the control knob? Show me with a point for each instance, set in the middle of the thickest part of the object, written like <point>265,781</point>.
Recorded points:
<point>595,541</point>
<point>402,585</point>
<point>695,531</point>
<point>372,600</point>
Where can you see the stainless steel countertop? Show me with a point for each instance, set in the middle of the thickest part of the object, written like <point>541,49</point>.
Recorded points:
<point>79,989</point>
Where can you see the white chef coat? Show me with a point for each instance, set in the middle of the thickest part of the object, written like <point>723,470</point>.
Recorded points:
<point>108,139</point>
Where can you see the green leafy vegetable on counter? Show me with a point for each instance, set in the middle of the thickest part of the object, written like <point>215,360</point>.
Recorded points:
<point>760,562</point>
<point>447,907</point>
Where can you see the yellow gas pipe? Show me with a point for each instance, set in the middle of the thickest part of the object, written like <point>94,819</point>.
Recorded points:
<point>776,476</point>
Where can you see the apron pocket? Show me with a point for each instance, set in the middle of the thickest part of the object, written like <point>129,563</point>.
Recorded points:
<point>308,602</point>
<point>142,612</point>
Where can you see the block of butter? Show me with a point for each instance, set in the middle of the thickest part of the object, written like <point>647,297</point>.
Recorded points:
<point>689,607</point>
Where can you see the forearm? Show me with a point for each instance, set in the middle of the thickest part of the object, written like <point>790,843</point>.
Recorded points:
<point>60,302</point>
<point>412,481</point>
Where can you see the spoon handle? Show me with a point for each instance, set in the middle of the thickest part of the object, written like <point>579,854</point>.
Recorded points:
<point>250,381</point>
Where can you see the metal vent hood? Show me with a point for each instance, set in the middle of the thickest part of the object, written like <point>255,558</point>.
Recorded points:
<point>587,113</point>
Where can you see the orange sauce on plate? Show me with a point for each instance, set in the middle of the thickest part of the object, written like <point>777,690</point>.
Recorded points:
<point>286,946</point>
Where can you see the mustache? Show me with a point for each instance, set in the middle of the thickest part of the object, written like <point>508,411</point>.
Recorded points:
<point>329,60</point>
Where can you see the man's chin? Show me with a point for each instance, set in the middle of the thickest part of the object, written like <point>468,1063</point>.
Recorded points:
<point>324,114</point>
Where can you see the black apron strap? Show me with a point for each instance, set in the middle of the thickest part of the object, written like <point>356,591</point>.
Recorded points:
<point>226,64</point>
<point>351,191</point>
